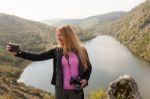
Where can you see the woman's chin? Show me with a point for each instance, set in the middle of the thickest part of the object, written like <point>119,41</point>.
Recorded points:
<point>61,45</point>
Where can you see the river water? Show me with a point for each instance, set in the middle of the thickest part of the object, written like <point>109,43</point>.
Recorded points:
<point>109,59</point>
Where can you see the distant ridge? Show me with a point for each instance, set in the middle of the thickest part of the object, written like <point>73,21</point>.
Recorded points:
<point>87,23</point>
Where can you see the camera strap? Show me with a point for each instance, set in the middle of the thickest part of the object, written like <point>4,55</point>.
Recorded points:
<point>67,57</point>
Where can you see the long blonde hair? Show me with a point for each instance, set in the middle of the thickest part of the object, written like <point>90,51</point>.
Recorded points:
<point>72,42</point>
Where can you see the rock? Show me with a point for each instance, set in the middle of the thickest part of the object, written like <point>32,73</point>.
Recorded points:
<point>124,87</point>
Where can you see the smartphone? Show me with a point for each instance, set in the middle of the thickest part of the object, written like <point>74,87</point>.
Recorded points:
<point>13,47</point>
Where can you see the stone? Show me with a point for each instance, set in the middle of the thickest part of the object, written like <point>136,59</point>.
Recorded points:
<point>124,87</point>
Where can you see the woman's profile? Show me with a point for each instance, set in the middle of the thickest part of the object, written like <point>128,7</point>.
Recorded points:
<point>71,65</point>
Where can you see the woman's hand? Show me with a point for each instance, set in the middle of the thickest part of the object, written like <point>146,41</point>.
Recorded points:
<point>8,48</point>
<point>84,83</point>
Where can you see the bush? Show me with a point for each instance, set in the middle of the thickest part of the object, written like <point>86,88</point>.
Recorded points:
<point>98,94</point>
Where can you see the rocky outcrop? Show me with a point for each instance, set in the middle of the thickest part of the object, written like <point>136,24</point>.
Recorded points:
<point>124,87</point>
<point>11,89</point>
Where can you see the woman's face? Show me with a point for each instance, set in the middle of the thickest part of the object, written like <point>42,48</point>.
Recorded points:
<point>60,38</point>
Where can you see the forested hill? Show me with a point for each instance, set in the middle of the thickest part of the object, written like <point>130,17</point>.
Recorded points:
<point>133,30</point>
<point>31,35</point>
<point>19,30</point>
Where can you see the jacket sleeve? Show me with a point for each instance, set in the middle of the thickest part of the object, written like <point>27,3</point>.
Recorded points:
<point>89,70</point>
<point>36,57</point>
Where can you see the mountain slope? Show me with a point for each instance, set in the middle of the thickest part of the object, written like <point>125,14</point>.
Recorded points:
<point>13,27</point>
<point>31,35</point>
<point>133,30</point>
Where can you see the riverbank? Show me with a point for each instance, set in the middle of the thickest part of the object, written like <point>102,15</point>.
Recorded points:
<point>11,89</point>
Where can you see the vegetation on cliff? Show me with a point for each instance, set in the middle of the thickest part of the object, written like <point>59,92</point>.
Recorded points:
<point>11,89</point>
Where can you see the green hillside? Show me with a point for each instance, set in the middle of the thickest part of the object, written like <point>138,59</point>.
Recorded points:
<point>133,30</point>
<point>32,36</point>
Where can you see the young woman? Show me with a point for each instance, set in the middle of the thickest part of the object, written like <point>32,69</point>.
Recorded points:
<point>71,65</point>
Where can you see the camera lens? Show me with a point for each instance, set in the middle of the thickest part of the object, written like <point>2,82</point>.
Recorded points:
<point>77,88</point>
<point>73,80</point>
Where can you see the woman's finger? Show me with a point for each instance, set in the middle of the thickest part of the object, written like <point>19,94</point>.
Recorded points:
<point>8,48</point>
<point>83,83</point>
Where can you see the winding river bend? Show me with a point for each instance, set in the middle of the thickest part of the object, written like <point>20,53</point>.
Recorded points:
<point>109,59</point>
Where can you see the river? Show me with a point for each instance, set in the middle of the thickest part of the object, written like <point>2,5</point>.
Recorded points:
<point>109,59</point>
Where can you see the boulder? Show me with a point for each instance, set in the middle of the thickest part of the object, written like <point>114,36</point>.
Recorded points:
<point>124,87</point>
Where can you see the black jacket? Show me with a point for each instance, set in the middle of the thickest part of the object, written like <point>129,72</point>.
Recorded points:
<point>56,54</point>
